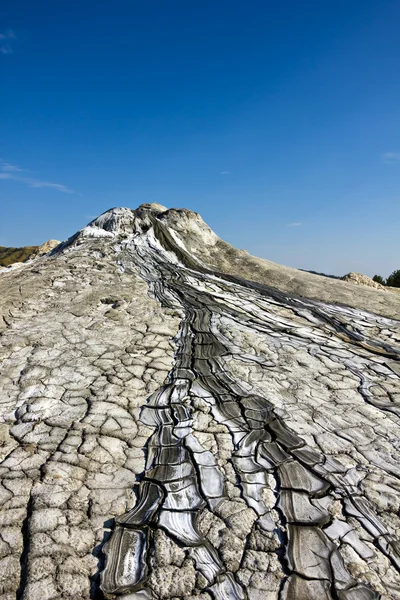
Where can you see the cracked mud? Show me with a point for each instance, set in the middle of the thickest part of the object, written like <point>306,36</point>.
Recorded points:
<point>170,431</point>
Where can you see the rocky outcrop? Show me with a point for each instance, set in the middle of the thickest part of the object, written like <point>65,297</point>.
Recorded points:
<point>44,249</point>
<point>360,279</point>
<point>174,430</point>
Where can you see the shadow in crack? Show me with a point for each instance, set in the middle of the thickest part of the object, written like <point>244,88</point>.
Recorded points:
<point>95,591</point>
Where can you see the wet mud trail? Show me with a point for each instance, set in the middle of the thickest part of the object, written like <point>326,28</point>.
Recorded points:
<point>307,501</point>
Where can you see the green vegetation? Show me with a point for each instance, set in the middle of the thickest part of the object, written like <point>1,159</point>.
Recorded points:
<point>12,255</point>
<point>392,281</point>
<point>379,279</point>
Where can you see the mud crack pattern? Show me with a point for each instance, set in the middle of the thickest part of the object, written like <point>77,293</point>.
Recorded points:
<point>169,431</point>
<point>296,496</point>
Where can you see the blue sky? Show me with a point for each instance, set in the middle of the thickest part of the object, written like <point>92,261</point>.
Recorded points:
<point>277,122</point>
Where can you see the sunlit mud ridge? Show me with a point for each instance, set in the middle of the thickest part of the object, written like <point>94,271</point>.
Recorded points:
<point>307,512</point>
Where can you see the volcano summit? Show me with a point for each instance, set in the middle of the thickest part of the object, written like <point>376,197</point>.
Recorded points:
<point>182,420</point>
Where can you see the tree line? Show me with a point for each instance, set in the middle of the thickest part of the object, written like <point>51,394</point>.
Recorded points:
<point>393,280</point>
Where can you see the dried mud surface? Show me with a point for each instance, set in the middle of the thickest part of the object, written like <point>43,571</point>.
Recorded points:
<point>170,431</point>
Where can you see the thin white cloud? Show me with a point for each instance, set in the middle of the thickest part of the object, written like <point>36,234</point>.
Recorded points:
<point>5,166</point>
<point>293,224</point>
<point>9,171</point>
<point>9,35</point>
<point>35,183</point>
<point>391,157</point>
<point>5,47</point>
<point>225,173</point>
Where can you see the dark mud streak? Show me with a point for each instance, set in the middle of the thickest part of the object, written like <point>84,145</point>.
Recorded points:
<point>25,550</point>
<point>181,477</point>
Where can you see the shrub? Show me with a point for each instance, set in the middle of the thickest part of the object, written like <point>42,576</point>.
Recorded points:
<point>379,279</point>
<point>394,279</point>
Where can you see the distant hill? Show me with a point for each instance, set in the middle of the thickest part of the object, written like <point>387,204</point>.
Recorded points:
<point>8,256</point>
